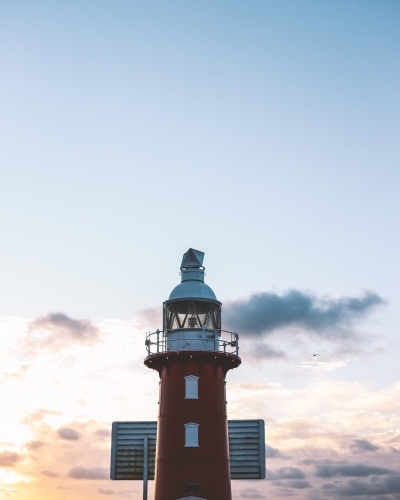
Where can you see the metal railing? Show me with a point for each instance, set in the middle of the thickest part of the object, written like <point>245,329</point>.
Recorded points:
<point>196,339</point>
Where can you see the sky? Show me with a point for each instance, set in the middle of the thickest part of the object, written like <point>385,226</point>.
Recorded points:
<point>263,133</point>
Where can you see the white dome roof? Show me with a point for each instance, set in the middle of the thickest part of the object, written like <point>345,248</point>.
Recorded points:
<point>192,289</point>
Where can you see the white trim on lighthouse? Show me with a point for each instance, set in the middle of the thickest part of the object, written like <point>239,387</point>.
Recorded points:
<point>191,435</point>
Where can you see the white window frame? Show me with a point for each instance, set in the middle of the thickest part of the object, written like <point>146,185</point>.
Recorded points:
<point>191,435</point>
<point>191,387</point>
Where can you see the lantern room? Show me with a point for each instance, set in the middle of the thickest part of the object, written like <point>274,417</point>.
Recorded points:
<point>192,315</point>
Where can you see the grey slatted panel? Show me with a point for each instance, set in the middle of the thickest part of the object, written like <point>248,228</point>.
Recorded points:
<point>246,449</point>
<point>127,449</point>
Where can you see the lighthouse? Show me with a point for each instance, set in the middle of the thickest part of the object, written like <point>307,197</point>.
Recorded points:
<point>192,451</point>
<point>192,355</point>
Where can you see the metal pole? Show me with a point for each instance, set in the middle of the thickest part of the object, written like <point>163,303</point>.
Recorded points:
<point>145,466</point>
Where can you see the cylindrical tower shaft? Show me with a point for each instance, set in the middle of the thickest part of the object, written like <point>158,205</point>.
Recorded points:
<point>196,463</point>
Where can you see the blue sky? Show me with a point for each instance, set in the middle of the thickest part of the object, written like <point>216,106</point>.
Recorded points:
<point>263,133</point>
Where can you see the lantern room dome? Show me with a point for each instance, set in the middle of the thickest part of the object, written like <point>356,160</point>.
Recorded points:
<point>192,289</point>
<point>192,278</point>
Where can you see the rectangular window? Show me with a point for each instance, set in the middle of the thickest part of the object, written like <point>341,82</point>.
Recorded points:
<point>191,387</point>
<point>191,435</point>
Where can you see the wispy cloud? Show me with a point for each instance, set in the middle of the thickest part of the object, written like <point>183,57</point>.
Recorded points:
<point>265,351</point>
<point>57,330</point>
<point>106,491</point>
<point>271,452</point>
<point>263,313</point>
<point>34,445</point>
<point>388,485</point>
<point>151,317</point>
<point>324,366</point>
<point>251,493</point>
<point>38,416</point>
<point>362,446</point>
<point>102,434</point>
<point>79,472</point>
<point>349,470</point>
<point>49,473</point>
<point>299,484</point>
<point>68,434</point>
<point>9,458</point>
<point>127,492</point>
<point>285,473</point>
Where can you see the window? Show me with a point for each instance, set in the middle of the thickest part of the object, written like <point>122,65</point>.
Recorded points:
<point>191,387</point>
<point>191,435</point>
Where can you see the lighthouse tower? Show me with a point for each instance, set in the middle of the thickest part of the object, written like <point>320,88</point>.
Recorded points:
<point>192,356</point>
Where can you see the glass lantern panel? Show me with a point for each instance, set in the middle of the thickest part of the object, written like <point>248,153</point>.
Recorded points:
<point>193,314</point>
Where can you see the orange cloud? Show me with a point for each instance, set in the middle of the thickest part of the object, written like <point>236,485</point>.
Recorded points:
<point>9,458</point>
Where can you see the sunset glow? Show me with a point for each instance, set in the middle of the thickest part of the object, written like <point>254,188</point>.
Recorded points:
<point>263,133</point>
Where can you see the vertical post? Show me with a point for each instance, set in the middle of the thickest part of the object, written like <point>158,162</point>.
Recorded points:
<point>145,465</point>
<point>158,340</point>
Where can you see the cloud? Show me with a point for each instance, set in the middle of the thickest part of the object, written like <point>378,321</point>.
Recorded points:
<point>262,313</point>
<point>18,374</point>
<point>79,472</point>
<point>356,487</point>
<point>272,452</point>
<point>285,473</point>
<point>251,493</point>
<point>49,473</point>
<point>362,445</point>
<point>34,445</point>
<point>324,366</point>
<point>38,416</point>
<point>103,434</point>
<point>152,317</point>
<point>299,484</point>
<point>357,470</point>
<point>58,330</point>
<point>9,458</point>
<point>106,491</point>
<point>68,434</point>
<point>264,351</point>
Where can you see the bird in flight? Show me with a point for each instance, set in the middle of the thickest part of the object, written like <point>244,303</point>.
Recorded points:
<point>314,355</point>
